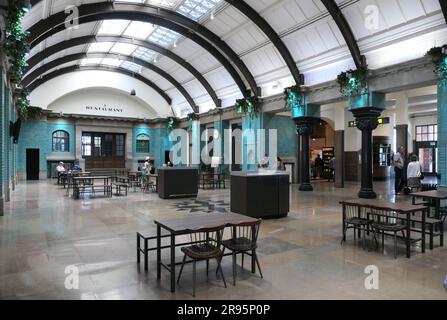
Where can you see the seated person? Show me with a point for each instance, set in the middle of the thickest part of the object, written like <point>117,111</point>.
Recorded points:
<point>61,169</point>
<point>76,167</point>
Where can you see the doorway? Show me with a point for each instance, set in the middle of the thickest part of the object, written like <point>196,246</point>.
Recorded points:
<point>32,164</point>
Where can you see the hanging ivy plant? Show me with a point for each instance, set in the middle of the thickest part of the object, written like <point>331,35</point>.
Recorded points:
<point>16,45</point>
<point>353,82</point>
<point>249,106</point>
<point>192,117</point>
<point>240,106</point>
<point>439,58</point>
<point>294,98</point>
<point>172,121</point>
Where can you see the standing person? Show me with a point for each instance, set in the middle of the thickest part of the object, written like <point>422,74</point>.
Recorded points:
<point>414,173</point>
<point>332,164</point>
<point>399,162</point>
<point>319,166</point>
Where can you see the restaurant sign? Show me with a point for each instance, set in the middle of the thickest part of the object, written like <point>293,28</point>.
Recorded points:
<point>105,108</point>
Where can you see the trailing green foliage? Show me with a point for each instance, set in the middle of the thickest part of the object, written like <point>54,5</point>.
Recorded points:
<point>439,58</point>
<point>294,98</point>
<point>249,106</point>
<point>353,82</point>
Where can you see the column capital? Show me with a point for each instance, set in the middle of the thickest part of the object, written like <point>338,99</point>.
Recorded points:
<point>367,118</point>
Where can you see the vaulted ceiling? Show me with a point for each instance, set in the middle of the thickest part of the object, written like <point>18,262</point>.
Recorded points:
<point>204,54</point>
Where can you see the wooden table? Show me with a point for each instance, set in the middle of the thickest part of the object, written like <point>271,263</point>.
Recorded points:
<point>435,195</point>
<point>404,210</point>
<point>184,225</point>
<point>77,180</point>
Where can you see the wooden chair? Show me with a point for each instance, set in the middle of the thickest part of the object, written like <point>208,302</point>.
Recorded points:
<point>208,246</point>
<point>386,221</point>
<point>356,218</point>
<point>243,240</point>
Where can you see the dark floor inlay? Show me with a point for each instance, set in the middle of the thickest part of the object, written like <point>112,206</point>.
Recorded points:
<point>273,246</point>
<point>202,205</point>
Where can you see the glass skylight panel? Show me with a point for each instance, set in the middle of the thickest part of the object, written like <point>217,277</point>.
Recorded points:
<point>113,27</point>
<point>90,61</point>
<point>111,62</point>
<point>164,37</point>
<point>196,9</point>
<point>123,48</point>
<point>100,47</point>
<point>131,66</point>
<point>144,54</point>
<point>170,4</point>
<point>139,30</point>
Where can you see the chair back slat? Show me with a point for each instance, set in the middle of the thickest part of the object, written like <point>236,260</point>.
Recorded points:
<point>205,235</point>
<point>384,216</point>
<point>248,231</point>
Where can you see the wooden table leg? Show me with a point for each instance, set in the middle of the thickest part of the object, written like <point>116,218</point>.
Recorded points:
<point>172,263</point>
<point>408,241</point>
<point>424,212</point>
<point>158,252</point>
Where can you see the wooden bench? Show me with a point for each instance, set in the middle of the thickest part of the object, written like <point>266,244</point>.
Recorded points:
<point>86,189</point>
<point>120,189</point>
<point>431,224</point>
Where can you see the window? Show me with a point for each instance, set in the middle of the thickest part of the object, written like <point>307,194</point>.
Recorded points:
<point>103,145</point>
<point>143,145</point>
<point>86,145</point>
<point>61,140</point>
<point>428,133</point>
<point>120,145</point>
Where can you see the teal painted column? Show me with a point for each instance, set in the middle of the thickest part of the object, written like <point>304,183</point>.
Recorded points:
<point>442,132</point>
<point>251,142</point>
<point>219,143</point>
<point>196,144</point>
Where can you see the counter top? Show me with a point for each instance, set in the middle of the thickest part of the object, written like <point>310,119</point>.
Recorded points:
<point>260,174</point>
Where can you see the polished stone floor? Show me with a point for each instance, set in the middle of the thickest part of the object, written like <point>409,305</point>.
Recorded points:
<point>43,232</point>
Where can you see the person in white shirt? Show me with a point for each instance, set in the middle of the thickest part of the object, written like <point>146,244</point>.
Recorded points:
<point>414,173</point>
<point>398,162</point>
<point>60,168</point>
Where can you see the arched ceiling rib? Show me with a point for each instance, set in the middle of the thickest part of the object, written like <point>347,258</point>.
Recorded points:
<point>74,68</point>
<point>61,46</point>
<point>161,17</point>
<point>315,41</point>
<point>443,4</point>
<point>262,24</point>
<point>79,56</point>
<point>346,31</point>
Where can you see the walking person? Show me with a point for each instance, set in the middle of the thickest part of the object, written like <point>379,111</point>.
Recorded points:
<point>399,161</point>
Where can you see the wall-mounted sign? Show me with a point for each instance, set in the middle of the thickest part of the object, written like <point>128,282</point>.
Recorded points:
<point>105,108</point>
<point>382,121</point>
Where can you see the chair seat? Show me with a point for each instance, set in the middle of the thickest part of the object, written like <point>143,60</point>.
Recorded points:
<point>239,244</point>
<point>202,251</point>
<point>358,221</point>
<point>389,227</point>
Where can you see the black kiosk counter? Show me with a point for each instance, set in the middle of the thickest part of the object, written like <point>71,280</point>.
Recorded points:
<point>260,194</point>
<point>177,182</point>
